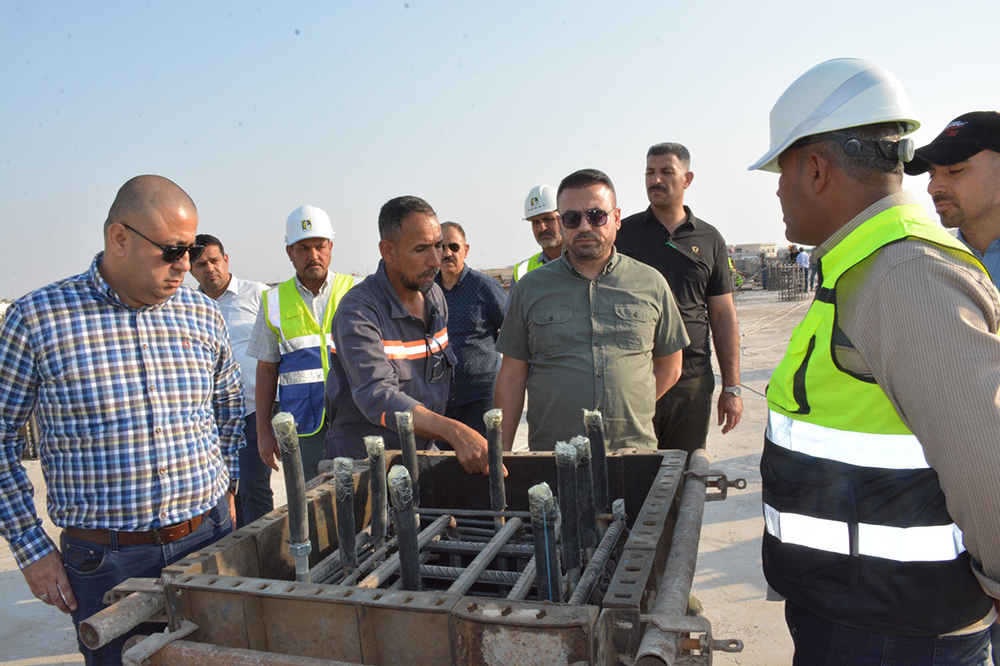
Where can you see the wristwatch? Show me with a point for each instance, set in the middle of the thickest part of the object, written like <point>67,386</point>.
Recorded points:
<point>234,486</point>
<point>735,390</point>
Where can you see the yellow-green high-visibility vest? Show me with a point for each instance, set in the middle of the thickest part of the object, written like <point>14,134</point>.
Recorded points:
<point>305,348</point>
<point>528,265</point>
<point>856,526</point>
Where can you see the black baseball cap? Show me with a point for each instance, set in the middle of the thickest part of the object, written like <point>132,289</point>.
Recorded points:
<point>961,139</point>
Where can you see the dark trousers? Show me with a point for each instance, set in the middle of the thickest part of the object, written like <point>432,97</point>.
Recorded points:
<point>819,642</point>
<point>95,568</point>
<point>471,414</point>
<point>995,640</point>
<point>683,413</point>
<point>254,498</point>
<point>311,448</point>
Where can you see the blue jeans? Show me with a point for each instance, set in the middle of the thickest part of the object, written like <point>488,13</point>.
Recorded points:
<point>94,568</point>
<point>995,640</point>
<point>819,642</point>
<point>254,498</point>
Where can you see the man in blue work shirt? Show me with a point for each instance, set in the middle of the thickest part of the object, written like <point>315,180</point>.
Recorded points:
<point>476,306</point>
<point>138,399</point>
<point>392,349</point>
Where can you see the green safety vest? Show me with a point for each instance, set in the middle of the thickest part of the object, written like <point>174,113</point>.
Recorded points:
<point>528,265</point>
<point>305,349</point>
<point>856,527</point>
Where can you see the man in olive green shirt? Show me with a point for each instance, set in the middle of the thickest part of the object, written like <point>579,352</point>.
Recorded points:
<point>593,329</point>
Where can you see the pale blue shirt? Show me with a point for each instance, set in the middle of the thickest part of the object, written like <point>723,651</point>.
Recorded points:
<point>991,259</point>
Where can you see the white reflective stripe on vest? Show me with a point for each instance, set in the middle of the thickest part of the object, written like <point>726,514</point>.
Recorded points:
<point>300,343</point>
<point>522,269</point>
<point>935,543</point>
<point>846,446</point>
<point>301,377</point>
<point>274,308</point>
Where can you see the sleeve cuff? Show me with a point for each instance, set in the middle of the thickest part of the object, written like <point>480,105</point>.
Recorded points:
<point>31,546</point>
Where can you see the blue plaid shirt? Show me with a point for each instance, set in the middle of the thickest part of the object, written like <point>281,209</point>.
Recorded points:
<point>140,411</point>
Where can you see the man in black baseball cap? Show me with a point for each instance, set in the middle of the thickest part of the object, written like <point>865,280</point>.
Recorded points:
<point>964,166</point>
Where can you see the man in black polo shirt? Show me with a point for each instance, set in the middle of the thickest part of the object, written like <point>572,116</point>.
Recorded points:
<point>691,254</point>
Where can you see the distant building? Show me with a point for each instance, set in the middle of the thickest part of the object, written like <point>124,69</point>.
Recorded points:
<point>753,250</point>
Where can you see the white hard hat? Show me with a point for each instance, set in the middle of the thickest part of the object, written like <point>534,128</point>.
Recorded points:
<point>835,95</point>
<point>541,199</point>
<point>307,222</point>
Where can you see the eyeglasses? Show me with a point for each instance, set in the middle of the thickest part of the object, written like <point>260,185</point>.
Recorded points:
<point>435,352</point>
<point>172,253</point>
<point>596,217</point>
<point>453,247</point>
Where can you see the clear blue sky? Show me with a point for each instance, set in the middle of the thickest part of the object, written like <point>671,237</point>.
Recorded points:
<point>257,108</point>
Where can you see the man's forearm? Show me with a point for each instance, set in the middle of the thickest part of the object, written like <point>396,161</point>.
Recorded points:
<point>508,395</point>
<point>666,372</point>
<point>725,337</point>
<point>265,394</point>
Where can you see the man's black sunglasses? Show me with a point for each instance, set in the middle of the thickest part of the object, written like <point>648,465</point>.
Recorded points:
<point>596,217</point>
<point>172,253</point>
<point>453,247</point>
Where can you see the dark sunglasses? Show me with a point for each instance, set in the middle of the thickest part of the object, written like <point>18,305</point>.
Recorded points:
<point>596,217</point>
<point>454,247</point>
<point>172,253</point>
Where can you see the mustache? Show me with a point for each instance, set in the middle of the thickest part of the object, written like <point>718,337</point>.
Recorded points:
<point>938,198</point>
<point>430,272</point>
<point>585,236</point>
<point>658,188</point>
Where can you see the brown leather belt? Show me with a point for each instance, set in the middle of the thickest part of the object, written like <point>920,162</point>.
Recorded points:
<point>158,536</point>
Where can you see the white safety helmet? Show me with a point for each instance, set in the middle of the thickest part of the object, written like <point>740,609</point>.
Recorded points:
<point>835,95</point>
<point>307,222</point>
<point>541,199</point>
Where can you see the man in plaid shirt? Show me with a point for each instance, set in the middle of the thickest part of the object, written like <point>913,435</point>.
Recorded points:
<point>139,406</point>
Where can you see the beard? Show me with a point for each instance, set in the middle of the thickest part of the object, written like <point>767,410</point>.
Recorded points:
<point>596,251</point>
<point>548,241</point>
<point>422,287</point>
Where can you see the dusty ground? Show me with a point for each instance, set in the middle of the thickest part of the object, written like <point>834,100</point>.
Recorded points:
<point>729,582</point>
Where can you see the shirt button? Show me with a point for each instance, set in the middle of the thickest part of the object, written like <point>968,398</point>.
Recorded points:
<point>145,346</point>
<point>152,387</point>
<point>163,470</point>
<point>159,430</point>
<point>163,514</point>
<point>599,374</point>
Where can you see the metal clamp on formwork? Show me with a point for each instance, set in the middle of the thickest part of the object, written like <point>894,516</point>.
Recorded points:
<point>700,640</point>
<point>719,481</point>
<point>144,649</point>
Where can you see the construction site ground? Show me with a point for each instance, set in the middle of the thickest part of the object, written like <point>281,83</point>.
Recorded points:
<point>729,583</point>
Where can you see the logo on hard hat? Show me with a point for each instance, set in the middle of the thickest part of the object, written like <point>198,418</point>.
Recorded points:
<point>534,201</point>
<point>307,225</point>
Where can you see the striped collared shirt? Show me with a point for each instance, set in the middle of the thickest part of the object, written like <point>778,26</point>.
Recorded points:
<point>140,411</point>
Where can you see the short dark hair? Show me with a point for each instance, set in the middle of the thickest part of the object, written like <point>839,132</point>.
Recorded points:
<point>866,169</point>
<point>390,218</point>
<point>209,239</point>
<point>584,178</point>
<point>682,153</point>
<point>454,225</point>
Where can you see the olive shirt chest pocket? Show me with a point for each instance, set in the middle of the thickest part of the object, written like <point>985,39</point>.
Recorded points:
<point>549,331</point>
<point>635,326</point>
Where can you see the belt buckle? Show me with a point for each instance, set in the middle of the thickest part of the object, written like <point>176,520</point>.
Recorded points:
<point>157,538</point>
